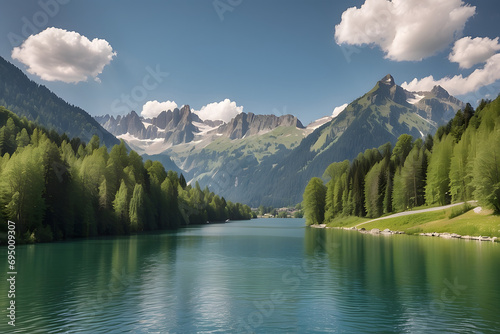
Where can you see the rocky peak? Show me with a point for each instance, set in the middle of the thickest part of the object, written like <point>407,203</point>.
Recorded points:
<point>440,92</point>
<point>172,119</point>
<point>251,124</point>
<point>131,123</point>
<point>386,89</point>
<point>388,80</point>
<point>213,124</point>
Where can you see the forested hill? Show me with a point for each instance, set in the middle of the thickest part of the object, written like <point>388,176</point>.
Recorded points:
<point>460,162</point>
<point>54,188</point>
<point>35,102</point>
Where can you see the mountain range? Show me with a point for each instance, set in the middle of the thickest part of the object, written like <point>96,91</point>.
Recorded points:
<point>267,159</point>
<point>253,159</point>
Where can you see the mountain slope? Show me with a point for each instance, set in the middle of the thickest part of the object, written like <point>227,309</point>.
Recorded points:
<point>37,103</point>
<point>244,125</point>
<point>378,117</point>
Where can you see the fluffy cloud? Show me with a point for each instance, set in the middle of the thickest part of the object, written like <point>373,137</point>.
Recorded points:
<point>57,54</point>
<point>404,29</point>
<point>338,110</point>
<point>153,108</point>
<point>459,85</point>
<point>224,111</point>
<point>468,52</point>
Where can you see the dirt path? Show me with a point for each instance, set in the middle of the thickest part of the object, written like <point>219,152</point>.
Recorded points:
<point>406,213</point>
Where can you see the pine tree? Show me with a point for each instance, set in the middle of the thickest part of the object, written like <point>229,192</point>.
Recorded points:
<point>168,203</point>
<point>412,177</point>
<point>401,149</point>
<point>121,205</point>
<point>374,194</point>
<point>22,138</point>
<point>93,144</point>
<point>182,181</point>
<point>460,174</point>
<point>438,181</point>
<point>487,173</point>
<point>136,210</point>
<point>399,198</point>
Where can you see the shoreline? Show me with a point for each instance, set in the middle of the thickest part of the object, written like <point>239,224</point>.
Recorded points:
<point>376,231</point>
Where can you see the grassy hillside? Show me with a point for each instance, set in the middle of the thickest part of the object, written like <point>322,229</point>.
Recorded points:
<point>484,223</point>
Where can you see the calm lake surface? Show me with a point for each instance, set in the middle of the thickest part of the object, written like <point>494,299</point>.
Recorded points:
<point>267,275</point>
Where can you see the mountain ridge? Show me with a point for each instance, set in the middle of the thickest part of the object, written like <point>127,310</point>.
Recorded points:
<point>377,117</point>
<point>37,103</point>
<point>285,154</point>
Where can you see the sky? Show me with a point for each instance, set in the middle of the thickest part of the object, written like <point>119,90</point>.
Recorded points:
<point>222,57</point>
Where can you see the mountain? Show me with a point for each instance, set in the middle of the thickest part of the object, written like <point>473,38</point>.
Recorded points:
<point>182,126</point>
<point>174,129</point>
<point>244,125</point>
<point>382,115</point>
<point>175,126</point>
<point>155,135</point>
<point>266,159</point>
<point>436,105</point>
<point>207,146</point>
<point>37,103</point>
<point>378,117</point>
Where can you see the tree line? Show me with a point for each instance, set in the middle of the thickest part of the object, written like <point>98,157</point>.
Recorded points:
<point>56,188</point>
<point>460,162</point>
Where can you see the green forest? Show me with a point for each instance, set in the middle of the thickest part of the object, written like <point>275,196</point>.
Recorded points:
<point>460,162</point>
<point>57,188</point>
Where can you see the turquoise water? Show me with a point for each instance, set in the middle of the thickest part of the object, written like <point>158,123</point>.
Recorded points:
<point>256,276</point>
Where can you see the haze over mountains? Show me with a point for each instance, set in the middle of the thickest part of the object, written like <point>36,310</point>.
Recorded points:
<point>266,159</point>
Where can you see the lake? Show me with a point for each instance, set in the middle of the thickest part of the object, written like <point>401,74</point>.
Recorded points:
<point>265,275</point>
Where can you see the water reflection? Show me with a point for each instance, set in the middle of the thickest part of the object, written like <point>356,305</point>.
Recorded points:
<point>257,276</point>
<point>410,283</point>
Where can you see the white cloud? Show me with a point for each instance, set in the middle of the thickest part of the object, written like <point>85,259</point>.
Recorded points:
<point>338,110</point>
<point>153,108</point>
<point>459,85</point>
<point>468,52</point>
<point>224,111</point>
<point>404,29</point>
<point>57,54</point>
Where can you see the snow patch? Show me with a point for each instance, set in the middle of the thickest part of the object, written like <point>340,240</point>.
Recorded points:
<point>148,146</point>
<point>204,128</point>
<point>338,110</point>
<point>415,99</point>
<point>319,122</point>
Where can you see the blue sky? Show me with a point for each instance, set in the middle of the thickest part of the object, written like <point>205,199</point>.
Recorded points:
<point>277,56</point>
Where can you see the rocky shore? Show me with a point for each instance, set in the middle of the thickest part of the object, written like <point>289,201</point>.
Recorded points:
<point>447,235</point>
<point>444,235</point>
